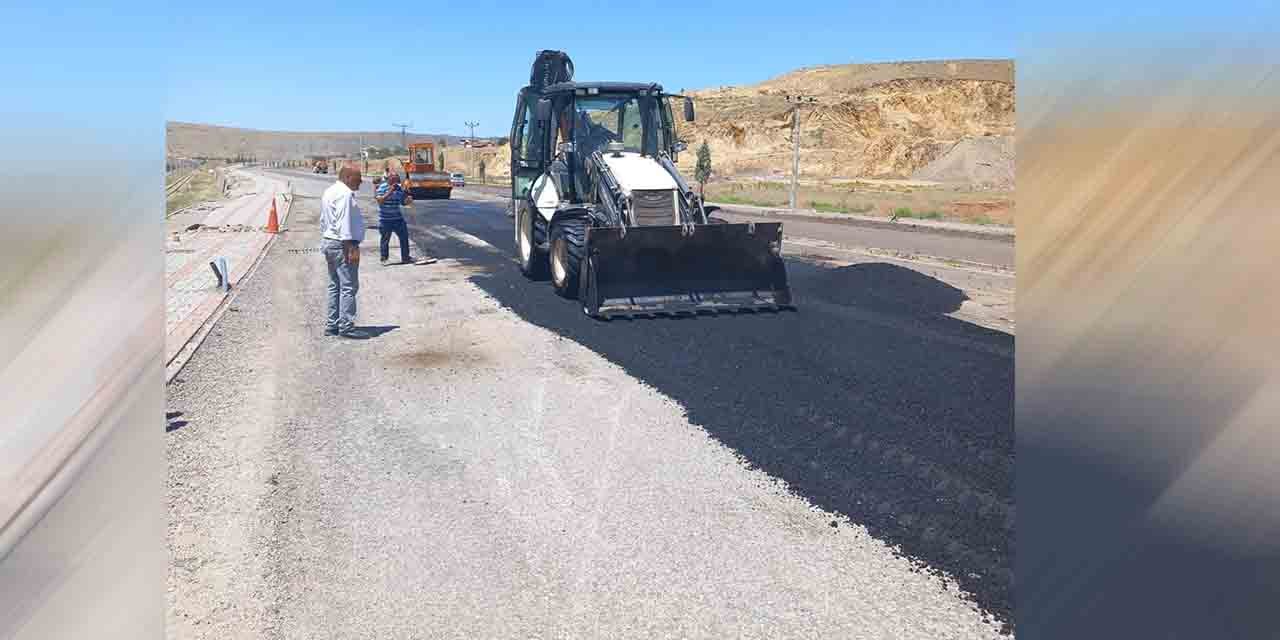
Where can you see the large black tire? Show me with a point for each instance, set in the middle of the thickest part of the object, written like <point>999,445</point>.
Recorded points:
<point>568,247</point>
<point>529,235</point>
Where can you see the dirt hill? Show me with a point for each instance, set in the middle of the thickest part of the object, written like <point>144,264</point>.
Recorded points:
<point>184,139</point>
<point>942,121</point>
<point>886,120</point>
<point>975,161</point>
<point>945,121</point>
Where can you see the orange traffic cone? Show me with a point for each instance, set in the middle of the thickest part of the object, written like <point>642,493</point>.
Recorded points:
<point>273,221</point>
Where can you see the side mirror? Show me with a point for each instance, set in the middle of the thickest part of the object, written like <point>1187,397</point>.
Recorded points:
<point>688,109</point>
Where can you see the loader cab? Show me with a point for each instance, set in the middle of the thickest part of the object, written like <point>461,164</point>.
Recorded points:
<point>560,127</point>
<point>637,117</point>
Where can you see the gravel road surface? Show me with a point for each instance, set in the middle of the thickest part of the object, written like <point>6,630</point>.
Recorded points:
<point>494,464</point>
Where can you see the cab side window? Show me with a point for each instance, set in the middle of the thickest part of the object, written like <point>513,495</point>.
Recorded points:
<point>521,128</point>
<point>520,133</point>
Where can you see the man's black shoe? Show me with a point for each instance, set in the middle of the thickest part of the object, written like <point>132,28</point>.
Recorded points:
<point>355,334</point>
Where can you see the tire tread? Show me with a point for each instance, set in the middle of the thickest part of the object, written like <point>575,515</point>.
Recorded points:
<point>574,230</point>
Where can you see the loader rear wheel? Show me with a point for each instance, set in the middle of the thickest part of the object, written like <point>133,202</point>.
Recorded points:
<point>568,246</point>
<point>533,261</point>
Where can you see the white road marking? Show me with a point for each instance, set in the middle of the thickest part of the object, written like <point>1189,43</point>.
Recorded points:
<point>441,232</point>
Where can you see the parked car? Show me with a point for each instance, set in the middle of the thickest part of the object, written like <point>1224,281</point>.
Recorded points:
<point>458,179</point>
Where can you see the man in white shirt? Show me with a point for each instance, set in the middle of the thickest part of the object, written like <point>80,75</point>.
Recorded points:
<point>341,232</point>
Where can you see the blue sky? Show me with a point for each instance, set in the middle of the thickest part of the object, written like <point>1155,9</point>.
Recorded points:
<point>343,67</point>
<point>439,64</point>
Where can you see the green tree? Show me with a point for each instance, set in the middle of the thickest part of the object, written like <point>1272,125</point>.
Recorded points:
<point>440,161</point>
<point>702,172</point>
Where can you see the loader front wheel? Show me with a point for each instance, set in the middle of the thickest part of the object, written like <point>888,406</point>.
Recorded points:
<point>568,246</point>
<point>533,262</point>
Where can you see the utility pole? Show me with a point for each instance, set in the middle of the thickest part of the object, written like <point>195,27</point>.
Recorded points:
<point>471,151</point>
<point>402,127</point>
<point>796,100</point>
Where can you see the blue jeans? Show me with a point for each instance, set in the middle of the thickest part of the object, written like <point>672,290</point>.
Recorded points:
<point>401,229</point>
<point>344,282</point>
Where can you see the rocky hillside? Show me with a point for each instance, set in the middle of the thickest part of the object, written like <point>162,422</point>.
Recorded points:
<point>943,121</point>
<point>184,139</point>
<point>887,120</point>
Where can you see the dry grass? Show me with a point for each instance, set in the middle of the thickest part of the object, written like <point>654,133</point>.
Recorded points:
<point>904,200</point>
<point>202,188</point>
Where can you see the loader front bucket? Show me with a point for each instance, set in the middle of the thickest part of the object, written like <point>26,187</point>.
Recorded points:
<point>667,270</point>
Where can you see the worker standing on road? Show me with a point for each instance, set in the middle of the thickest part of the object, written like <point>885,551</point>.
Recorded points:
<point>391,196</point>
<point>342,231</point>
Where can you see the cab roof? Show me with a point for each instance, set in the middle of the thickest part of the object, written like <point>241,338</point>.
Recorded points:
<point>602,87</point>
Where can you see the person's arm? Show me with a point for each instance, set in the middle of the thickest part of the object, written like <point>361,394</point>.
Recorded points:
<point>341,213</point>
<point>343,216</point>
<point>350,224</point>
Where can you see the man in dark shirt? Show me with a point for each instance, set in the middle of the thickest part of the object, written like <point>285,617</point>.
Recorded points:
<point>391,196</point>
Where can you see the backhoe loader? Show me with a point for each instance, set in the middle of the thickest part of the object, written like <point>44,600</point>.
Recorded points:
<point>600,207</point>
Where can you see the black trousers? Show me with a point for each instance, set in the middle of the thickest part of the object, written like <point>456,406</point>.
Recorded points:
<point>401,229</point>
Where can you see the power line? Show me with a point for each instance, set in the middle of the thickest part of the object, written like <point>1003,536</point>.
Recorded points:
<point>402,127</point>
<point>471,151</point>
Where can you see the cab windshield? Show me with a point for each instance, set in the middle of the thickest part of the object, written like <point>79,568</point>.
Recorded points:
<point>599,120</point>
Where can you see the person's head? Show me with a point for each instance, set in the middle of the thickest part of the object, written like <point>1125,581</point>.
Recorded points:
<point>351,177</point>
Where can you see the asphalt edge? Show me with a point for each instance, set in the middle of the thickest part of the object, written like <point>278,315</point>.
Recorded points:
<point>981,232</point>
<point>960,229</point>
